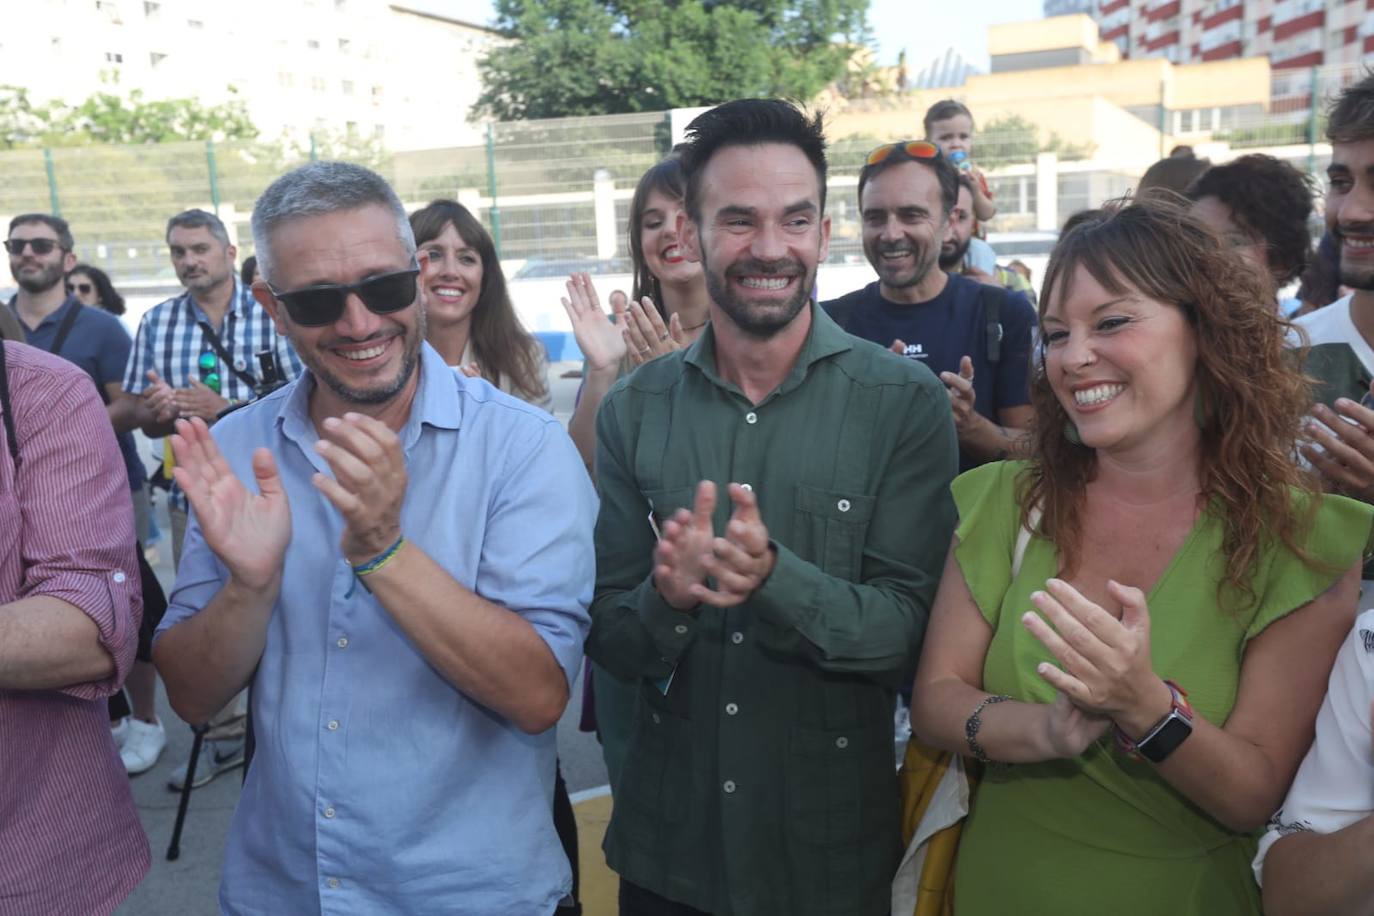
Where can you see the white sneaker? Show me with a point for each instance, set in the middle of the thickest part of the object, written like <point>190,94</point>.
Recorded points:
<point>120,733</point>
<point>143,746</point>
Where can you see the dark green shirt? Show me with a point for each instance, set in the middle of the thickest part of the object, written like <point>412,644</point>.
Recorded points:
<point>760,771</point>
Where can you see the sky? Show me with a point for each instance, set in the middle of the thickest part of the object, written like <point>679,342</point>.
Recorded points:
<point>925,28</point>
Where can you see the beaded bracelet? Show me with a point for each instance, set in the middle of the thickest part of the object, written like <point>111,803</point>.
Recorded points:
<point>975,722</point>
<point>371,566</point>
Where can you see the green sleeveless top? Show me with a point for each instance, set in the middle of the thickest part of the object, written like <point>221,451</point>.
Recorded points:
<point>1102,833</point>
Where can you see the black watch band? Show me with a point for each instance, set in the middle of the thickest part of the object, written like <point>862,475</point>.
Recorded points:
<point>1165,738</point>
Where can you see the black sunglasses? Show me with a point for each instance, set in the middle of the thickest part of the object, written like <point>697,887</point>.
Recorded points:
<point>40,246</point>
<point>82,288</point>
<point>314,306</point>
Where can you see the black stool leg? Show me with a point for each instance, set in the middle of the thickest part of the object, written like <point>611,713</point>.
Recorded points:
<point>174,847</point>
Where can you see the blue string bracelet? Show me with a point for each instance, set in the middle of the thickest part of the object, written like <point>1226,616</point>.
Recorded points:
<point>376,563</point>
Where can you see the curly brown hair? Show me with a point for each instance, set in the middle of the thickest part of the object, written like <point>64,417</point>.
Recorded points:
<point>1253,395</point>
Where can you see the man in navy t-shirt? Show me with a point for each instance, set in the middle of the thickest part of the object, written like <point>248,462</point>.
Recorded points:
<point>975,336</point>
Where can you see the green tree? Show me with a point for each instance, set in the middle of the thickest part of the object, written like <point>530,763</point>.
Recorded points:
<point>107,117</point>
<point>584,57</point>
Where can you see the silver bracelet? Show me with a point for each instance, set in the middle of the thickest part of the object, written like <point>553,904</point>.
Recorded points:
<point>975,722</point>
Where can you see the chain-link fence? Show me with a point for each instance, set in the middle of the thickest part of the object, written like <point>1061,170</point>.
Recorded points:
<point>556,193</point>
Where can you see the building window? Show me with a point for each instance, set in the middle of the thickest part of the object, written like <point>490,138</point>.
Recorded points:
<point>194,24</point>
<point>317,83</point>
<point>347,87</point>
<point>114,57</point>
<point>155,58</point>
<point>345,45</point>
<point>151,10</point>
<point>312,44</point>
<point>286,80</point>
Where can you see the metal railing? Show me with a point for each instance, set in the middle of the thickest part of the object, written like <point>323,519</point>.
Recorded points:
<point>557,191</point>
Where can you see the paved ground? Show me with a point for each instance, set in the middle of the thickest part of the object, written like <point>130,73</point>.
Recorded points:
<point>187,886</point>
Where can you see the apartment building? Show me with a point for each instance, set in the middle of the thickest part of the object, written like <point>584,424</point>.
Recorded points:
<point>405,73</point>
<point>1291,33</point>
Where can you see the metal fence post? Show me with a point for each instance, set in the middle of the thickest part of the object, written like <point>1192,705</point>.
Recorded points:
<point>52,182</point>
<point>494,213</point>
<point>1312,112</point>
<point>314,148</point>
<point>603,205</point>
<point>213,169</point>
<point>1163,115</point>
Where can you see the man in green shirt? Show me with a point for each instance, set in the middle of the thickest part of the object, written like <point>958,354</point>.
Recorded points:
<point>774,516</point>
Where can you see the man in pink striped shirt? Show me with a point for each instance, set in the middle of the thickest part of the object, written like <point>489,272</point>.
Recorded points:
<point>70,839</point>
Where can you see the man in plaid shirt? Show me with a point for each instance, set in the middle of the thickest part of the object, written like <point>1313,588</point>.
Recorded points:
<point>176,370</point>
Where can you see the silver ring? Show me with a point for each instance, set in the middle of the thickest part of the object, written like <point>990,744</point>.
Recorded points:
<point>663,336</point>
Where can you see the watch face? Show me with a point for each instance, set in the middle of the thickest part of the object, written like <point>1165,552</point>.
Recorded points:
<point>1166,738</point>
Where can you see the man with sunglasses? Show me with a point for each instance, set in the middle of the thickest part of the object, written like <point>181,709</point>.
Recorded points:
<point>194,356</point>
<point>975,336</point>
<point>399,559</point>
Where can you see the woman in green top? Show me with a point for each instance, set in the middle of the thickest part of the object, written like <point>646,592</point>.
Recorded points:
<point>1151,660</point>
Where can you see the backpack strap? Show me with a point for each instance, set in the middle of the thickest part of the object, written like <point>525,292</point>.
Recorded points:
<point>6,410</point>
<point>991,298</point>
<point>65,328</point>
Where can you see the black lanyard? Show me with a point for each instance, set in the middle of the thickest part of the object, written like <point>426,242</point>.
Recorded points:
<point>213,339</point>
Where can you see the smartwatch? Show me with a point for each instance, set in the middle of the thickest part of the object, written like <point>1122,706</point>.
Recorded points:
<point>1169,733</point>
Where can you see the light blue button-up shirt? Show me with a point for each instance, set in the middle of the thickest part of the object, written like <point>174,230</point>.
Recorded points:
<point>377,787</point>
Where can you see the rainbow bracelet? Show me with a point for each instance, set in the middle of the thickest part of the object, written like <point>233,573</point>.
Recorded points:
<point>381,560</point>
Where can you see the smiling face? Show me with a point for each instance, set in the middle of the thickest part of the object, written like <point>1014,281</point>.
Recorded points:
<point>952,134</point>
<point>1350,210</point>
<point>452,279</point>
<point>761,234</point>
<point>1122,366</point>
<point>660,241</point>
<point>363,358</point>
<point>903,225</point>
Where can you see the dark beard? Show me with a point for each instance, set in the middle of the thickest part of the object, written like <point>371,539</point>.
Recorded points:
<point>51,276</point>
<point>1350,276</point>
<point>951,263</point>
<point>760,323</point>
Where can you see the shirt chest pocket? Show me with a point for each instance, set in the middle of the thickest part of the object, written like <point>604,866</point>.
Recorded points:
<point>830,527</point>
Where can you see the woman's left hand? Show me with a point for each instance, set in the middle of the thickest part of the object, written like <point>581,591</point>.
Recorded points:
<point>1106,667</point>
<point>647,337</point>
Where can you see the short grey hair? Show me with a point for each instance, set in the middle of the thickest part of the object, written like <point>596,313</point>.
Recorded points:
<point>198,219</point>
<point>316,189</point>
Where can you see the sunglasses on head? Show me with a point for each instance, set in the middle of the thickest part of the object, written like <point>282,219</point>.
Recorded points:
<point>82,288</point>
<point>912,149</point>
<point>313,306</point>
<point>40,246</point>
